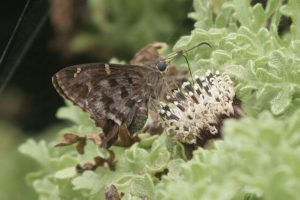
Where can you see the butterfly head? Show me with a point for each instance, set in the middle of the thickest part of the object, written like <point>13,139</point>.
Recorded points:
<point>162,65</point>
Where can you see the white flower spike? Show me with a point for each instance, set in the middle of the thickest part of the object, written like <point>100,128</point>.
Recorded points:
<point>198,110</point>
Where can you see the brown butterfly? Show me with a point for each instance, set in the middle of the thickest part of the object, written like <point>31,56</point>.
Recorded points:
<point>115,95</point>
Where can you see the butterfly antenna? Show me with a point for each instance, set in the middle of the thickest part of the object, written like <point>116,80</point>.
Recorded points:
<point>196,46</point>
<point>184,52</point>
<point>181,52</point>
<point>189,68</point>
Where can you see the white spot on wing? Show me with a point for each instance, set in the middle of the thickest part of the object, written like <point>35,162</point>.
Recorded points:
<point>77,72</point>
<point>114,118</point>
<point>107,69</point>
<point>89,85</point>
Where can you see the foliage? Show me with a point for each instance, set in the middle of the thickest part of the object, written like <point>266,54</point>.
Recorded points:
<point>247,45</point>
<point>258,159</point>
<point>129,25</point>
<point>259,156</point>
<point>13,165</point>
<point>134,174</point>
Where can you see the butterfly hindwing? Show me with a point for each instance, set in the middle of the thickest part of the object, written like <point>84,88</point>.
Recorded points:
<point>117,97</point>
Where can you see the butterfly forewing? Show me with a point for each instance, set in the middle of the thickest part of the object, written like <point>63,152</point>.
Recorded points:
<point>111,92</point>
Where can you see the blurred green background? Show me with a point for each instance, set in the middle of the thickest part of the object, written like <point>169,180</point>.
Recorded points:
<point>76,31</point>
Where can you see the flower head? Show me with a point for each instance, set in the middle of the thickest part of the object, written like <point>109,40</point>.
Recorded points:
<point>196,111</point>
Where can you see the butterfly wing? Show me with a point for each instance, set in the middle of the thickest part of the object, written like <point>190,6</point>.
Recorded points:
<point>149,55</point>
<point>117,97</point>
<point>107,91</point>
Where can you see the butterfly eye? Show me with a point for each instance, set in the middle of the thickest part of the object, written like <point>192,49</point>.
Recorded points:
<point>162,65</point>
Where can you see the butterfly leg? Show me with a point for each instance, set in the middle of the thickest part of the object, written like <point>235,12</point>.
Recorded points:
<point>118,135</point>
<point>110,134</point>
<point>155,127</point>
<point>126,138</point>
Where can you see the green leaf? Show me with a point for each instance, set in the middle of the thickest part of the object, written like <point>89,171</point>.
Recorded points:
<point>37,151</point>
<point>89,181</point>
<point>259,17</point>
<point>147,142</point>
<point>220,56</point>
<point>142,186</point>
<point>272,6</point>
<point>74,114</point>
<point>277,59</point>
<point>237,71</point>
<point>282,101</point>
<point>264,75</point>
<point>136,158</point>
<point>292,9</point>
<point>47,189</point>
<point>266,93</point>
<point>203,14</point>
<point>249,89</point>
<point>65,173</point>
<point>242,12</point>
<point>158,159</point>
<point>295,45</point>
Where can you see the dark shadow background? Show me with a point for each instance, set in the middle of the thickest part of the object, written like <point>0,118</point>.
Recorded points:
<point>38,100</point>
